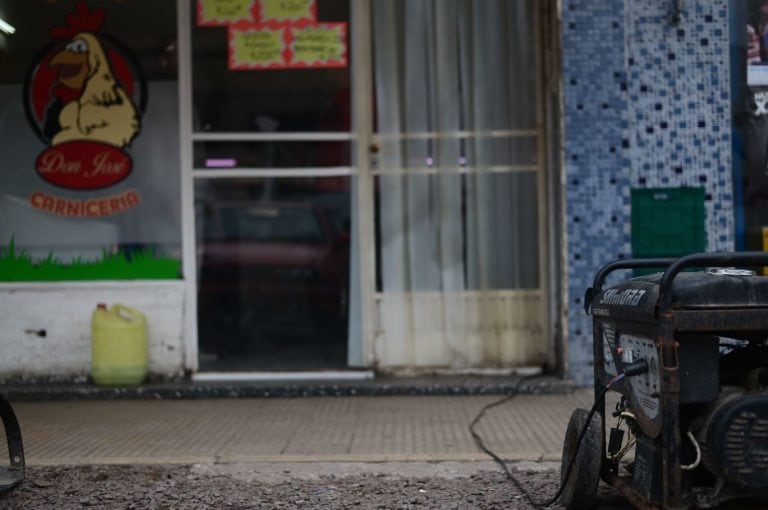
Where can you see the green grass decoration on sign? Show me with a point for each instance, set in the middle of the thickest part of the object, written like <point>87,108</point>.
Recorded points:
<point>139,265</point>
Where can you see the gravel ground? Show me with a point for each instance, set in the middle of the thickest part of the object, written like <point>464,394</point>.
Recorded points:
<point>303,486</point>
<point>185,487</point>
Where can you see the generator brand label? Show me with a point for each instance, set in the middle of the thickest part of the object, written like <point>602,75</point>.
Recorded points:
<point>628,297</point>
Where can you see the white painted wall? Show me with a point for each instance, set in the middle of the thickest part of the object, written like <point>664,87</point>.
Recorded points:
<point>63,310</point>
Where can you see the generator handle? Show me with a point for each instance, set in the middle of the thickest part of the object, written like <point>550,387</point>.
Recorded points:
<point>610,267</point>
<point>745,258</point>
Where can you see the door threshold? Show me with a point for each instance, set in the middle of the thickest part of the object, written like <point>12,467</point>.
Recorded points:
<point>318,375</point>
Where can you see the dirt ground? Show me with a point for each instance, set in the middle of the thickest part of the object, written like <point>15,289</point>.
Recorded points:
<point>371,486</point>
<point>185,487</point>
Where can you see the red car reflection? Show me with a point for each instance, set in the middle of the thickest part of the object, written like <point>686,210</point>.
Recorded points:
<point>271,266</point>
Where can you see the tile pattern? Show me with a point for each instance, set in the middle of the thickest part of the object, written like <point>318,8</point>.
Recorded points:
<point>231,430</point>
<point>647,104</point>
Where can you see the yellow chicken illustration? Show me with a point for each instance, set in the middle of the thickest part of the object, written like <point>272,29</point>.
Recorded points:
<point>104,112</point>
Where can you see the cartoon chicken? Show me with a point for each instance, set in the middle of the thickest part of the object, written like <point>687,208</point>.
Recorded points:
<point>99,109</point>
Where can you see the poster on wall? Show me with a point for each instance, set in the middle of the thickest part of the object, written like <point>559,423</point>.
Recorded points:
<point>276,34</point>
<point>757,43</point>
<point>751,129</point>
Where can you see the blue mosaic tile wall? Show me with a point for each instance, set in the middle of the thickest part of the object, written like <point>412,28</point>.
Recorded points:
<point>647,104</point>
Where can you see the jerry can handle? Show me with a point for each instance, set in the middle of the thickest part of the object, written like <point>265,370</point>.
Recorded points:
<point>126,312</point>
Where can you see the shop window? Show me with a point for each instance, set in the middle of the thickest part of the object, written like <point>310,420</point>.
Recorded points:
<point>273,265</point>
<point>262,93</point>
<point>235,95</point>
<point>89,141</point>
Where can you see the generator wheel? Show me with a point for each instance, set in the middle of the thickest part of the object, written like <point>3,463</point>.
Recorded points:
<point>580,490</point>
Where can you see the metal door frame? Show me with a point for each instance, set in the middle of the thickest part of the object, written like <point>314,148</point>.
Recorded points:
<point>552,280</point>
<point>358,136</point>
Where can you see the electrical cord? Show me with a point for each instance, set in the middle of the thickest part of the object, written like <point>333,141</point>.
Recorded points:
<point>696,462</point>
<point>629,370</point>
<point>619,454</point>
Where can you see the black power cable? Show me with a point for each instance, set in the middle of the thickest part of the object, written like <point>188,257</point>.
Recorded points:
<point>634,369</point>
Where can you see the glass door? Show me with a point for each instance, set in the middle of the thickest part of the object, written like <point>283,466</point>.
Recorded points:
<point>271,170</point>
<point>459,182</point>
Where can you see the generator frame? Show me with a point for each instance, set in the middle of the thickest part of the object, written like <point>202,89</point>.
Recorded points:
<point>13,474</point>
<point>670,323</point>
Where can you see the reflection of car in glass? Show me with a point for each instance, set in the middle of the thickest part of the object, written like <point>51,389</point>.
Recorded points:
<point>271,265</point>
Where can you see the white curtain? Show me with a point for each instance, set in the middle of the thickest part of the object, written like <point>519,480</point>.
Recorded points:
<point>457,210</point>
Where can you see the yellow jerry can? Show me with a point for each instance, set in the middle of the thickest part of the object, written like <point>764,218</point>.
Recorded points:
<point>120,353</point>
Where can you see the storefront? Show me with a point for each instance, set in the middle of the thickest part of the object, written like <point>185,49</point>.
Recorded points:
<point>278,186</point>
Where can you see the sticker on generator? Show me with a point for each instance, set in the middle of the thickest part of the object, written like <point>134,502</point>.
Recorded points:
<point>609,365</point>
<point>645,387</point>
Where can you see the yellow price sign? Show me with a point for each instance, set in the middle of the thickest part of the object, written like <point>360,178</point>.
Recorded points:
<point>322,45</point>
<point>287,10</point>
<point>256,48</point>
<point>224,12</point>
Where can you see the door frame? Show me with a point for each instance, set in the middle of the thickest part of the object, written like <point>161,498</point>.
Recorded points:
<point>361,339</point>
<point>551,264</point>
<point>187,138</point>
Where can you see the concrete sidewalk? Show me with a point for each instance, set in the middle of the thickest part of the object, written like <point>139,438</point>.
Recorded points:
<point>331,429</point>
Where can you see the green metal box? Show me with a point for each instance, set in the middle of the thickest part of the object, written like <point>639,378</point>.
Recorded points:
<point>668,222</point>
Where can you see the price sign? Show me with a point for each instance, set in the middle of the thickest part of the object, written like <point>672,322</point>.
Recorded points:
<point>224,12</point>
<point>288,11</point>
<point>256,48</point>
<point>320,45</point>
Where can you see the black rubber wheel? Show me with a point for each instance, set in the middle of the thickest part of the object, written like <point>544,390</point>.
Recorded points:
<point>580,490</point>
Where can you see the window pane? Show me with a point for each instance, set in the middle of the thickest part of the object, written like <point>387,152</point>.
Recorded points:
<point>457,231</point>
<point>749,103</point>
<point>267,100</point>
<point>456,118</point>
<point>271,154</point>
<point>87,180</point>
<point>399,154</point>
<point>273,269</point>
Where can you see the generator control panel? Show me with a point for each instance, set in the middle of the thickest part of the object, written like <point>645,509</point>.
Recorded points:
<point>628,349</point>
<point>645,387</point>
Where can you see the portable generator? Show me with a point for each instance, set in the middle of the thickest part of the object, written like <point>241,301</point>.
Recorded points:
<point>685,354</point>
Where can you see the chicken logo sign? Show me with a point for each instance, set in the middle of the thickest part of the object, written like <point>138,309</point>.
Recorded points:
<point>84,99</point>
